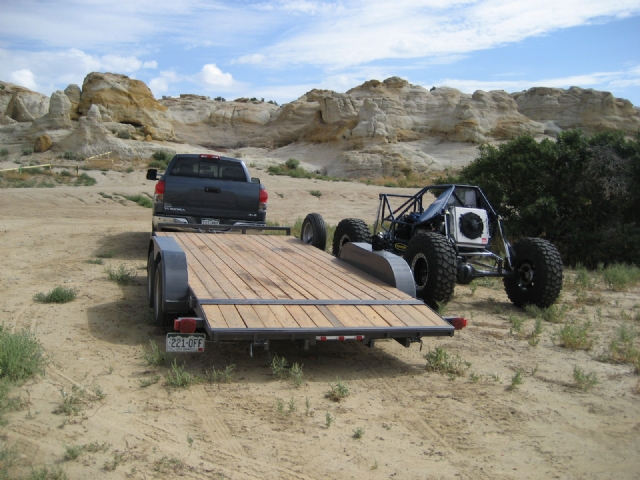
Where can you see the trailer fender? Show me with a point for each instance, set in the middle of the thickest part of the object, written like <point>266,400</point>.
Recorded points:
<point>383,265</point>
<point>175,296</point>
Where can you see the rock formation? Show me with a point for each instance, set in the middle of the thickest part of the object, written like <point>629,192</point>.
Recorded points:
<point>21,104</point>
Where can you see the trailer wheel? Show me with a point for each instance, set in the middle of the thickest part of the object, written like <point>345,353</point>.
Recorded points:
<point>432,260</point>
<point>350,230</point>
<point>539,274</point>
<point>151,278</point>
<point>161,317</point>
<point>314,231</point>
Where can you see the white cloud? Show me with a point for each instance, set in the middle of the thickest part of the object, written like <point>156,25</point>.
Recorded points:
<point>253,59</point>
<point>214,77</point>
<point>161,84</point>
<point>152,64</point>
<point>24,78</point>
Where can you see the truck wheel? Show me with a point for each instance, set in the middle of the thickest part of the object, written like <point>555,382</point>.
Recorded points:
<point>539,274</point>
<point>314,231</point>
<point>151,278</point>
<point>433,263</point>
<point>350,230</point>
<point>162,318</point>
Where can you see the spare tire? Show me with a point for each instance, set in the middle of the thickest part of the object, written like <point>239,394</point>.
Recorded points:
<point>350,230</point>
<point>314,231</point>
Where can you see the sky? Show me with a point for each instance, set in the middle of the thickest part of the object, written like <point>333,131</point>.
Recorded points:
<point>280,49</point>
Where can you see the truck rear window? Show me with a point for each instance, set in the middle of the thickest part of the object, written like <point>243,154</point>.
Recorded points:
<point>208,168</point>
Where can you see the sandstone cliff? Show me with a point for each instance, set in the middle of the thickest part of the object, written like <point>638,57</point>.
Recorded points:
<point>377,128</point>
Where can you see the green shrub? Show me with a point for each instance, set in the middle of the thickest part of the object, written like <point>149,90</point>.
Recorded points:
<point>69,155</point>
<point>4,152</point>
<point>440,361</point>
<point>27,151</point>
<point>292,164</point>
<point>124,134</point>
<point>84,180</point>
<point>163,155</point>
<point>121,275</point>
<point>585,190</point>
<point>575,336</point>
<point>21,355</point>
<point>141,200</point>
<point>57,295</point>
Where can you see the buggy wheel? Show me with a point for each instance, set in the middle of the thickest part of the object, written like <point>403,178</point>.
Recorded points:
<point>161,317</point>
<point>314,231</point>
<point>350,230</point>
<point>151,278</point>
<point>539,274</point>
<point>432,260</point>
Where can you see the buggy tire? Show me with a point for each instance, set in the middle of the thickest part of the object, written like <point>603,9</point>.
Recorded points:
<point>539,278</point>
<point>160,316</point>
<point>314,231</point>
<point>432,260</point>
<point>350,230</point>
<point>151,278</point>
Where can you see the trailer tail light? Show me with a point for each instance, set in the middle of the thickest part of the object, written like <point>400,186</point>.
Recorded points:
<point>458,323</point>
<point>158,196</point>
<point>264,196</point>
<point>340,338</point>
<point>185,325</point>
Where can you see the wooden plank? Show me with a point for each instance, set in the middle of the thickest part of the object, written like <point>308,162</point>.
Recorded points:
<point>267,316</point>
<point>283,280</point>
<point>300,316</point>
<point>373,316</point>
<point>346,316</point>
<point>317,317</point>
<point>283,316</point>
<point>249,316</point>
<point>424,315</point>
<point>231,316</point>
<point>335,266</point>
<point>214,316</point>
<point>388,316</point>
<point>330,316</point>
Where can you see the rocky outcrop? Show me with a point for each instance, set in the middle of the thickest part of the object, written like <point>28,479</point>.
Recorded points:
<point>21,104</point>
<point>125,100</point>
<point>73,92</point>
<point>592,110</point>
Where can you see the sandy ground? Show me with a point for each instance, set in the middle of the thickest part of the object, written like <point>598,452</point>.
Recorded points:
<point>415,424</point>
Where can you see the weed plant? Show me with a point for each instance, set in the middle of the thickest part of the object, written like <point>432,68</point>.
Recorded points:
<point>338,391</point>
<point>516,380</point>
<point>440,361</point>
<point>21,355</point>
<point>57,295</point>
<point>534,336</point>
<point>147,382</point>
<point>95,261</point>
<point>221,376</point>
<point>584,381</point>
<point>121,275</point>
<point>153,355</point>
<point>72,452</point>
<point>553,314</point>
<point>622,348</point>
<point>108,254</point>
<point>71,404</point>
<point>296,374</point>
<point>315,193</point>
<point>358,433</point>
<point>517,324</point>
<point>4,152</point>
<point>178,378</point>
<point>328,419</point>
<point>141,200</point>
<point>279,366</point>
<point>619,277</point>
<point>575,336</point>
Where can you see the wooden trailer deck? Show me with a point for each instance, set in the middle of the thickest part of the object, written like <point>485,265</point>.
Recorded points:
<point>273,282</point>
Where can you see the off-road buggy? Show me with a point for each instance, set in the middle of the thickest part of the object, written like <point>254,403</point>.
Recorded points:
<point>457,238</point>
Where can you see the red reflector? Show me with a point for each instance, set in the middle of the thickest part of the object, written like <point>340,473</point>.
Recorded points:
<point>264,196</point>
<point>323,339</point>
<point>216,157</point>
<point>341,338</point>
<point>160,188</point>
<point>359,337</point>
<point>188,325</point>
<point>459,323</point>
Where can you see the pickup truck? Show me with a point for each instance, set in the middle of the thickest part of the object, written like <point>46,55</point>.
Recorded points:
<point>198,190</point>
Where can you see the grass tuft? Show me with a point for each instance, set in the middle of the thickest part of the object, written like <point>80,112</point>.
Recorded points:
<point>178,378</point>
<point>153,355</point>
<point>584,381</point>
<point>57,295</point>
<point>221,376</point>
<point>440,361</point>
<point>338,391</point>
<point>121,275</point>
<point>619,277</point>
<point>21,355</point>
<point>575,336</point>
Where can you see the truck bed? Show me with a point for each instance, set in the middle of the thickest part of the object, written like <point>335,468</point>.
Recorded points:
<point>277,287</point>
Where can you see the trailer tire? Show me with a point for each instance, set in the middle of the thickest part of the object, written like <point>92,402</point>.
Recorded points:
<point>314,231</point>
<point>160,316</point>
<point>151,278</point>
<point>432,260</point>
<point>350,230</point>
<point>539,280</point>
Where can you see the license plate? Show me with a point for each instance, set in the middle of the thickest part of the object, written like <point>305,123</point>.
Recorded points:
<point>185,342</point>
<point>210,221</point>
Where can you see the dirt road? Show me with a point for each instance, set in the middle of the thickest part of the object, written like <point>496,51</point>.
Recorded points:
<point>412,424</point>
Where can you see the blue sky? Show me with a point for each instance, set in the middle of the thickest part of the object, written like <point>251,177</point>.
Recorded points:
<point>280,49</point>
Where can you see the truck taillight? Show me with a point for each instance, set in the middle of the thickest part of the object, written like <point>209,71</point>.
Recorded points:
<point>264,196</point>
<point>159,193</point>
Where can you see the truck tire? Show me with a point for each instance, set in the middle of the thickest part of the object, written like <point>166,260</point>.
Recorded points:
<point>350,230</point>
<point>151,278</point>
<point>161,318</point>
<point>432,260</point>
<point>314,231</point>
<point>539,268</point>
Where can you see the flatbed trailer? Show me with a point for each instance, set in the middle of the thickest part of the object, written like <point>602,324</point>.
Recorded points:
<point>273,287</point>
